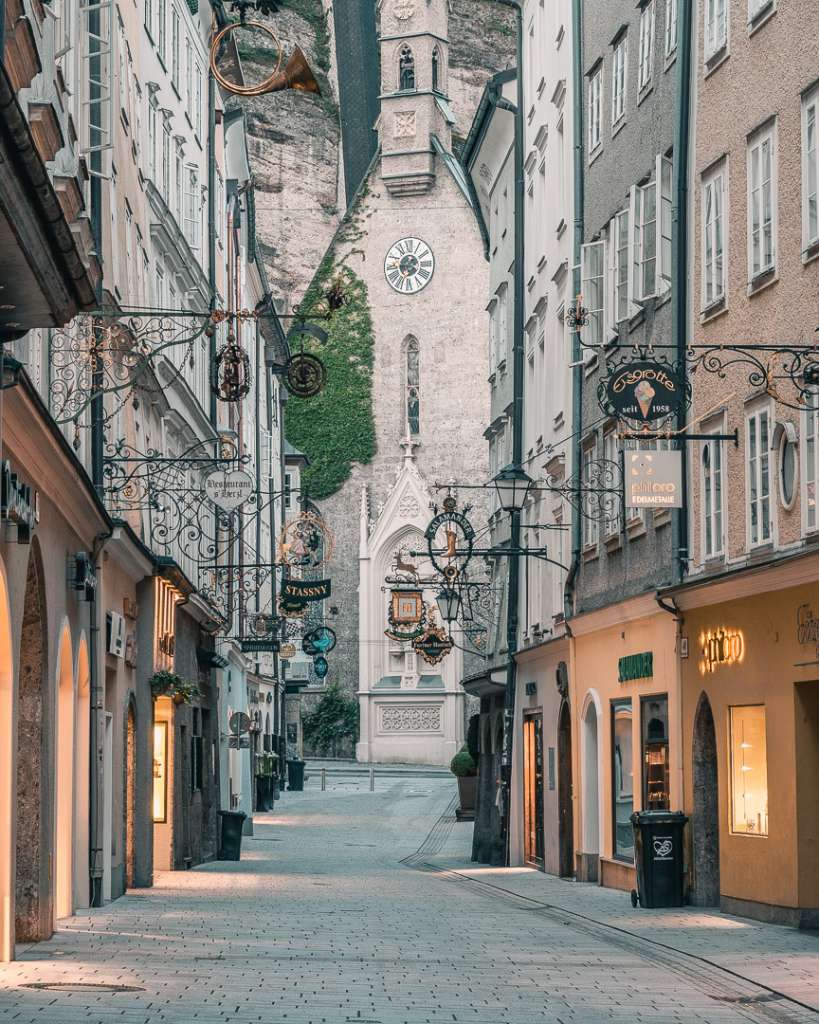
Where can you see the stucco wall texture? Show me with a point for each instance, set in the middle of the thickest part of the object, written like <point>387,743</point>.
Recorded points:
<point>741,94</point>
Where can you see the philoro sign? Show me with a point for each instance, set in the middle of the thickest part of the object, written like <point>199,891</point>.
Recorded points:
<point>653,479</point>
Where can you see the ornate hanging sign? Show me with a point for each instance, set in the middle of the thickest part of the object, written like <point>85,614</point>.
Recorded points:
<point>645,391</point>
<point>231,379</point>
<point>305,542</point>
<point>306,375</point>
<point>407,615</point>
<point>320,640</point>
<point>304,591</point>
<point>229,488</point>
<point>321,666</point>
<point>450,539</point>
<point>290,608</point>
<point>433,645</point>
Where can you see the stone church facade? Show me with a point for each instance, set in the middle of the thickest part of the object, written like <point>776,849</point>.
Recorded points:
<point>420,252</point>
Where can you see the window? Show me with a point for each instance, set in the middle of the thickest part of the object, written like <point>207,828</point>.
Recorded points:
<point>161,17</point>
<point>611,502</point>
<point>503,322</point>
<point>670,27</point>
<point>413,394</point>
<point>589,522</point>
<point>786,454</point>
<point>749,771</point>
<point>288,480</point>
<point>654,725</point>
<point>593,265</point>
<point>595,105</point>
<point>152,141</point>
<point>149,16</point>
<point>756,7</point>
<point>758,470</point>
<point>198,101</point>
<point>180,180</point>
<point>646,65</point>
<point>665,176</point>
<point>189,80</point>
<point>406,70</point>
<point>175,48</point>
<point>436,70</point>
<point>761,203</point>
<point>810,171</point>
<point>645,240</point>
<point>618,80</point>
<point>716,27</point>
<point>192,210</point>
<point>711,484</point>
<point>622,780</point>
<point>166,162</point>
<point>811,463</point>
<point>160,772</point>
<point>621,244</point>
<point>713,237</point>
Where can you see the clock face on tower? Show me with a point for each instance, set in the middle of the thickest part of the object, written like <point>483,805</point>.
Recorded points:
<point>409,265</point>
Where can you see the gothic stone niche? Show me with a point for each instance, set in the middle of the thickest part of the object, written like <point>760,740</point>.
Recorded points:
<point>404,124</point>
<point>410,718</point>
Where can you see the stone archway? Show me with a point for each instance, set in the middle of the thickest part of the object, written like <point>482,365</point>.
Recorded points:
<point>564,791</point>
<point>6,773</point>
<point>705,819</point>
<point>33,915</point>
<point>64,782</point>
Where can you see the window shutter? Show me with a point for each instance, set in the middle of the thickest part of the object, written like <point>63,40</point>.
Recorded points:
<point>611,287</point>
<point>663,181</point>
<point>633,249</point>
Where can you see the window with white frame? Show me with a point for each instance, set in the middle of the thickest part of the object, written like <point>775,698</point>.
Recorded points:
<point>593,276</point>
<point>493,335</point>
<point>645,240</point>
<point>757,435</point>
<point>175,47</point>
<point>618,80</point>
<point>761,203</point>
<point>646,63</point>
<point>189,80</point>
<point>621,244</point>
<point>716,27</point>
<point>810,462</point>
<point>590,525</point>
<point>665,176</point>
<point>161,18</point>
<point>595,107</point>
<point>713,236</point>
<point>670,27</point>
<point>192,207</point>
<point>755,8</point>
<point>711,486</point>
<point>810,170</point>
<point>149,16</point>
<point>503,322</point>
<point>198,101</point>
<point>611,502</point>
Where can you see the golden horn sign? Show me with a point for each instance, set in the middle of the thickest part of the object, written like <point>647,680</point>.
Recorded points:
<point>297,74</point>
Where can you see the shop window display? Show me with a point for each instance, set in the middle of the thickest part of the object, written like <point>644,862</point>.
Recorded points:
<point>654,721</point>
<point>749,771</point>
<point>622,778</point>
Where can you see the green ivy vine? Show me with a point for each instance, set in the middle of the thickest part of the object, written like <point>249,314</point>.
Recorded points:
<point>336,428</point>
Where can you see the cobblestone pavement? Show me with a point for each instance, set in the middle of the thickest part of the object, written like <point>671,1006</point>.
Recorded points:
<point>351,907</point>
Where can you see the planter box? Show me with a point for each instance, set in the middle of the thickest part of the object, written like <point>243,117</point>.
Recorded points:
<point>467,792</point>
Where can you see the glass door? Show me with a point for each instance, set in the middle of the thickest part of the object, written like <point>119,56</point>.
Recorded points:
<point>533,790</point>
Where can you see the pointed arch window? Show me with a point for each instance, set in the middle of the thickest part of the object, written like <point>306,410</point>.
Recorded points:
<point>406,70</point>
<point>413,387</point>
<point>436,70</point>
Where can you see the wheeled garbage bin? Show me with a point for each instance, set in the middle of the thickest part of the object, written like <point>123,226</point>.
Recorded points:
<point>658,850</point>
<point>230,836</point>
<point>295,775</point>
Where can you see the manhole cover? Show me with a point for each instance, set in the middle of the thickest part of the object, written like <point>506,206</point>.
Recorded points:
<point>80,986</point>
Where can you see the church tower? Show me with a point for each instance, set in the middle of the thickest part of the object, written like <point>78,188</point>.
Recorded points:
<point>416,120</point>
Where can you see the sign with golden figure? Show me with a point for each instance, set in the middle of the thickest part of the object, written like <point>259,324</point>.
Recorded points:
<point>433,645</point>
<point>450,538</point>
<point>305,542</point>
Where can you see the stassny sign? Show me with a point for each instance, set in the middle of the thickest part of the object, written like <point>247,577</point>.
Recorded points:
<point>302,591</point>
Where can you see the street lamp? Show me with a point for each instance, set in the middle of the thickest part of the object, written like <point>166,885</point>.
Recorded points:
<point>512,485</point>
<point>449,603</point>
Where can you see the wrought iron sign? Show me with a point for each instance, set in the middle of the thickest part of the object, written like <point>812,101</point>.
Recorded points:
<point>433,645</point>
<point>306,375</point>
<point>305,542</point>
<point>231,378</point>
<point>450,539</point>
<point>320,640</point>
<point>645,391</point>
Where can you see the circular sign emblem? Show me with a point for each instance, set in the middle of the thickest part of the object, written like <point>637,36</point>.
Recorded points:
<point>646,391</point>
<point>321,666</point>
<point>231,489</point>
<point>320,640</point>
<point>306,375</point>
<point>239,723</point>
<point>288,651</point>
<point>450,539</point>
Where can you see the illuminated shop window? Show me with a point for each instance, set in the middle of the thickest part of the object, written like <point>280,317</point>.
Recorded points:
<point>654,722</point>
<point>622,779</point>
<point>749,771</point>
<point>160,773</point>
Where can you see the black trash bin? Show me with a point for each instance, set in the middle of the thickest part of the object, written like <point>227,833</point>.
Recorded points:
<point>230,839</point>
<point>295,775</point>
<point>658,849</point>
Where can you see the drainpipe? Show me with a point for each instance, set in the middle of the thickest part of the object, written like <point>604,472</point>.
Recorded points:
<point>577,351</point>
<point>513,598</point>
<point>679,296</point>
<point>96,807</point>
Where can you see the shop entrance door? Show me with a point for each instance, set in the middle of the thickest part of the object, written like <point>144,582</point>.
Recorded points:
<point>564,791</point>
<point>705,820</point>
<point>533,790</point>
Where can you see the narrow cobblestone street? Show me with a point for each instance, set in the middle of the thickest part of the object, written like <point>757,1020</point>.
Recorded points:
<point>351,906</point>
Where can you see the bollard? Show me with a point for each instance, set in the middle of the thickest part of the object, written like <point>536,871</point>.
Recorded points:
<point>372,778</point>
<point>323,779</point>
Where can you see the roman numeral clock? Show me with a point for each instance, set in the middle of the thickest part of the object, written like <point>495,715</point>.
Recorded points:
<point>409,266</point>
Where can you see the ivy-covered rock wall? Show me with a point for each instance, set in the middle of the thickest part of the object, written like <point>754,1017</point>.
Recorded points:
<point>336,428</point>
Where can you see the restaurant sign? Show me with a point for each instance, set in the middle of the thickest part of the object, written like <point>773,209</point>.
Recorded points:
<point>653,479</point>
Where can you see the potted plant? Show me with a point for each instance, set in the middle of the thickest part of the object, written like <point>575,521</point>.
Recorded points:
<point>465,770</point>
<point>165,683</point>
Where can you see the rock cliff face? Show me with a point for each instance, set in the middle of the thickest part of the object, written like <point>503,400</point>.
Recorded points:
<point>295,138</point>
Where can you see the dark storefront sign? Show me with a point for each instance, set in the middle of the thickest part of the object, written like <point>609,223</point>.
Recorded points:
<point>636,666</point>
<point>646,390</point>
<point>301,591</point>
<point>260,646</point>
<point>18,504</point>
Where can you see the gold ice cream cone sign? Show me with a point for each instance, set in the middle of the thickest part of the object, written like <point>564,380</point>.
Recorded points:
<point>644,391</point>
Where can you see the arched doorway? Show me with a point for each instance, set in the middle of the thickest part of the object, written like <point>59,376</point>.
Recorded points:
<point>564,791</point>
<point>591,792</point>
<point>6,772</point>
<point>33,914</point>
<point>130,795</point>
<point>82,769</point>
<point>64,780</point>
<point>705,820</point>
